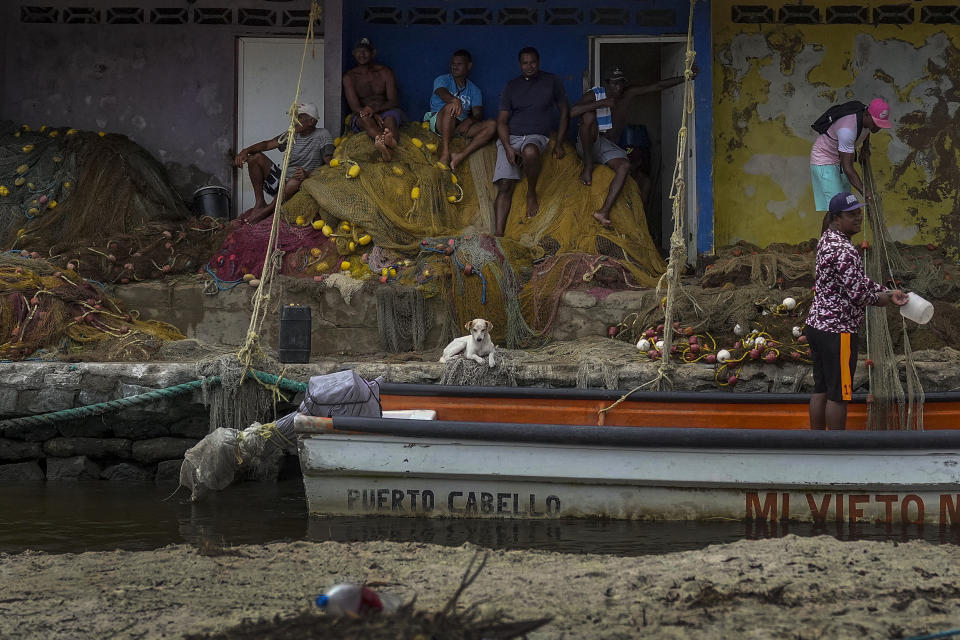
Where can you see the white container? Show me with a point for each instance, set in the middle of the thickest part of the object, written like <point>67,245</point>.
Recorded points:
<point>917,309</point>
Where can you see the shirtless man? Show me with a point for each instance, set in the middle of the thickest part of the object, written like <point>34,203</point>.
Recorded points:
<point>456,106</point>
<point>371,92</point>
<point>603,113</point>
<point>523,129</point>
<point>312,147</point>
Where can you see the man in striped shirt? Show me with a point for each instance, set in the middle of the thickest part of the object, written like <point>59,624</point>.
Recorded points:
<point>603,114</point>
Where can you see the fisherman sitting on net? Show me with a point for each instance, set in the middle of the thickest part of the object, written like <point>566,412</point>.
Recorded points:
<point>456,106</point>
<point>523,129</point>
<point>371,91</point>
<point>312,147</point>
<point>603,114</point>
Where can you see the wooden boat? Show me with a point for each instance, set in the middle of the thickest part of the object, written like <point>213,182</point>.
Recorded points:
<point>540,453</point>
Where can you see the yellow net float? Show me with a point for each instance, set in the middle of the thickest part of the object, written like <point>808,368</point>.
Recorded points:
<point>335,162</point>
<point>415,193</point>
<point>354,171</point>
<point>398,171</point>
<point>417,142</point>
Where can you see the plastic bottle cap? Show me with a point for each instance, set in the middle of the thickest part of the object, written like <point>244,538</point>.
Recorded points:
<point>322,600</point>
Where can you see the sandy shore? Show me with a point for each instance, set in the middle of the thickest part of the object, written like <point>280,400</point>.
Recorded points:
<point>782,588</point>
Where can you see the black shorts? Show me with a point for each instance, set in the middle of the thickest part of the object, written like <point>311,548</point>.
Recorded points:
<point>271,182</point>
<point>834,361</point>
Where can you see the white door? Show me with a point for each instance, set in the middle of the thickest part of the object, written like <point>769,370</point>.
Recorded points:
<point>672,64</point>
<point>267,73</point>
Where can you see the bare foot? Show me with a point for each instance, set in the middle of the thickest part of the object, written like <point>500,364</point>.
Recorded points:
<point>455,160</point>
<point>602,219</point>
<point>586,177</point>
<point>389,139</point>
<point>381,145</point>
<point>532,206</point>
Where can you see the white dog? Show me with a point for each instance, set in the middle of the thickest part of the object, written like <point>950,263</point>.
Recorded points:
<point>475,346</point>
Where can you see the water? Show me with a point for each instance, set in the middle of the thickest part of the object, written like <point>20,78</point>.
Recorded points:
<point>100,516</point>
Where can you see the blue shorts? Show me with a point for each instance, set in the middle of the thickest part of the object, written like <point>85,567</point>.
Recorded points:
<point>828,180</point>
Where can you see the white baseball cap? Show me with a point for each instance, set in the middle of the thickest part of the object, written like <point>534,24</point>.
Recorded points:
<point>308,109</point>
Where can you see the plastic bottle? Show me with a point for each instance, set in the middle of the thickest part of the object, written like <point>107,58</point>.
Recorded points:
<point>350,599</point>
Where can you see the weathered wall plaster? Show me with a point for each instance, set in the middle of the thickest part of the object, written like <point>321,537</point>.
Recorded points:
<point>772,80</point>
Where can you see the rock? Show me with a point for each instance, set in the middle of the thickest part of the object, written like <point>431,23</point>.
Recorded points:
<point>8,402</point>
<point>157,449</point>
<point>168,472</point>
<point>126,472</point>
<point>30,433</point>
<point>31,402</point>
<point>150,426</point>
<point>579,299</point>
<point>17,450</point>
<point>93,447</point>
<point>75,468</point>
<point>193,427</point>
<point>95,427</point>
<point>20,472</point>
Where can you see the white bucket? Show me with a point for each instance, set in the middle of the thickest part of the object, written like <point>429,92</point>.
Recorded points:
<point>917,309</point>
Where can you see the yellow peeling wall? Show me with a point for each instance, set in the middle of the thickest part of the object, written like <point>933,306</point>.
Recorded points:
<point>771,81</point>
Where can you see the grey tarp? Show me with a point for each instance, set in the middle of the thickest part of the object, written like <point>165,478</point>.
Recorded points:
<point>345,393</point>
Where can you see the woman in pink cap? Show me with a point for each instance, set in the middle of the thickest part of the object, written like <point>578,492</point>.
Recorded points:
<point>833,153</point>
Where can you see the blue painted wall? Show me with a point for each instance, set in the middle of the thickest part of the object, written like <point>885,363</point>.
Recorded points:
<point>419,52</point>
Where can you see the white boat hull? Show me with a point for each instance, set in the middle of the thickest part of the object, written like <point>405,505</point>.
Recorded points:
<point>346,474</point>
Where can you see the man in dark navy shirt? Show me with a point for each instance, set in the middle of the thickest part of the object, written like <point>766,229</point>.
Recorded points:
<point>523,128</point>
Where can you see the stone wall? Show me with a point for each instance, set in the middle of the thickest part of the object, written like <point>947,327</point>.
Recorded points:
<point>143,443</point>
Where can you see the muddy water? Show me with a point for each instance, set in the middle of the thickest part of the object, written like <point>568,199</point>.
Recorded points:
<point>101,516</point>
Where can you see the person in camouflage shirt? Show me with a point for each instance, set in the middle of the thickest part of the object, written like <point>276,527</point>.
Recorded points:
<point>842,293</point>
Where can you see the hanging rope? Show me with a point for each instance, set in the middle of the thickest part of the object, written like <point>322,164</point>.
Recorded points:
<point>678,247</point>
<point>271,267</point>
<point>891,407</point>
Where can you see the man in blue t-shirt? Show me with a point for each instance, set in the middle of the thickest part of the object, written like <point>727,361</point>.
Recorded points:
<point>456,106</point>
<point>523,128</point>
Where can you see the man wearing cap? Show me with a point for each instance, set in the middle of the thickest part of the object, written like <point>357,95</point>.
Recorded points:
<point>833,153</point>
<point>523,129</point>
<point>312,147</point>
<point>371,92</point>
<point>842,292</point>
<point>603,114</point>
<point>456,106</point>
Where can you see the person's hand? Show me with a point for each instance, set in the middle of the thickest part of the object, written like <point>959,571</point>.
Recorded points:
<point>241,159</point>
<point>606,102</point>
<point>299,174</point>
<point>694,70</point>
<point>558,150</point>
<point>511,155</point>
<point>365,112</point>
<point>456,108</point>
<point>898,297</point>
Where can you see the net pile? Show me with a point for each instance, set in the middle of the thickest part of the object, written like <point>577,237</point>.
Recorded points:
<point>99,203</point>
<point>778,264</point>
<point>93,183</point>
<point>413,208</point>
<point>48,312</point>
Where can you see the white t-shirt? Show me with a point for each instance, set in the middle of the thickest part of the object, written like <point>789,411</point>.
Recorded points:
<point>838,138</point>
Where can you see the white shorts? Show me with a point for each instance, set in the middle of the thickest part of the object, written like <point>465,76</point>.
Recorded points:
<point>514,172</point>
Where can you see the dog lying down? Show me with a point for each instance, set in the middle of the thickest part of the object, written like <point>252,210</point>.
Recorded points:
<point>475,346</point>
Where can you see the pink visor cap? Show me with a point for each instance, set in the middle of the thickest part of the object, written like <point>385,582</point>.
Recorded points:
<point>879,110</point>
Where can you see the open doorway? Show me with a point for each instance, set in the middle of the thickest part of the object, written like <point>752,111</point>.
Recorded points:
<point>652,125</point>
<point>267,74</point>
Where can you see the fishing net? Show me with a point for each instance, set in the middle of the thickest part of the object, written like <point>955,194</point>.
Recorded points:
<point>99,203</point>
<point>87,182</point>
<point>553,276</point>
<point>778,264</point>
<point>890,407</point>
<point>48,312</point>
<point>413,209</point>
